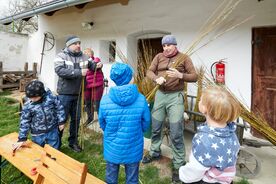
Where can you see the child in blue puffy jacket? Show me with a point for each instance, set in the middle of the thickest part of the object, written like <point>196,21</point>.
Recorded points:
<point>123,115</point>
<point>42,115</point>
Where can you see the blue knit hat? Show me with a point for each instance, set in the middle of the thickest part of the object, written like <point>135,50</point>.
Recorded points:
<point>121,73</point>
<point>169,39</point>
<point>71,39</point>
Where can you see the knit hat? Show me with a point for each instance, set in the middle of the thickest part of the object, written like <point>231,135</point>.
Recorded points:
<point>34,89</point>
<point>121,73</point>
<point>71,39</point>
<point>169,39</point>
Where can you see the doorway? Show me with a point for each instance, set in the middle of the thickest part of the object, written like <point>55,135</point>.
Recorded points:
<point>264,74</point>
<point>146,51</point>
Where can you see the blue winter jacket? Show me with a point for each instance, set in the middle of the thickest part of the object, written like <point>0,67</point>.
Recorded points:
<point>41,117</point>
<point>124,115</point>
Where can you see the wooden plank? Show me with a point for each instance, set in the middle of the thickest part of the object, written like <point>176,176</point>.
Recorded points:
<point>63,159</point>
<point>18,72</point>
<point>46,172</point>
<point>25,159</point>
<point>65,174</point>
<point>14,85</point>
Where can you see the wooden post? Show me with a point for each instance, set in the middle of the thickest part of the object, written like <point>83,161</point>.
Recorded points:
<point>34,70</point>
<point>26,69</point>
<point>1,76</point>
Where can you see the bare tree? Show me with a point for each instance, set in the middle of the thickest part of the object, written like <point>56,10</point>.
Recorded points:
<point>22,26</point>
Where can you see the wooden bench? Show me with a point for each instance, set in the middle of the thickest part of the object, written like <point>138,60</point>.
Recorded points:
<point>33,156</point>
<point>55,167</point>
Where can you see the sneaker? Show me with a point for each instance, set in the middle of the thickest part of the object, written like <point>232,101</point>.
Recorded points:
<point>147,159</point>
<point>175,176</point>
<point>75,148</point>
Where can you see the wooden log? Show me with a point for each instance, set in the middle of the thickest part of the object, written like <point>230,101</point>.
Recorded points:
<point>10,78</point>
<point>26,69</point>
<point>34,70</point>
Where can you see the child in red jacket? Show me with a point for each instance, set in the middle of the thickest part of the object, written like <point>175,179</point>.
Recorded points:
<point>94,86</point>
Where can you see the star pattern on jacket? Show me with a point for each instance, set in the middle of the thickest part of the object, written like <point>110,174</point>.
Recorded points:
<point>215,147</point>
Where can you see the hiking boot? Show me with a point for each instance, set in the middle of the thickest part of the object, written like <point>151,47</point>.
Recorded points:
<point>147,158</point>
<point>175,176</point>
<point>75,148</point>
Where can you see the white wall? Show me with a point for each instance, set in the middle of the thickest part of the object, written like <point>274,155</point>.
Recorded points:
<point>13,51</point>
<point>183,18</point>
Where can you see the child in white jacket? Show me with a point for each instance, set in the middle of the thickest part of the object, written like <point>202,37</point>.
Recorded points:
<point>215,146</point>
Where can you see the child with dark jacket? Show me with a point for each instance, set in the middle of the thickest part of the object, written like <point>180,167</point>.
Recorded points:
<point>123,115</point>
<point>43,115</point>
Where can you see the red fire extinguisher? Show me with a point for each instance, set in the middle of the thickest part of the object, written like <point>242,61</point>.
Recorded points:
<point>219,78</point>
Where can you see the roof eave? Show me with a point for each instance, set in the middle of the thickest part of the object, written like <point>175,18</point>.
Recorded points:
<point>45,8</point>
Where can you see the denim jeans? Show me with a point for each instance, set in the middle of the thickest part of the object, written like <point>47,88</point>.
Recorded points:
<point>51,138</point>
<point>131,170</point>
<point>72,107</point>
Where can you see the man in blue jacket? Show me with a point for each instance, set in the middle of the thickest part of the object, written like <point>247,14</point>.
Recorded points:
<point>124,116</point>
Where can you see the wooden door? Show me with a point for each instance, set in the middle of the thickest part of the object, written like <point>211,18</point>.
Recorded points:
<point>264,74</point>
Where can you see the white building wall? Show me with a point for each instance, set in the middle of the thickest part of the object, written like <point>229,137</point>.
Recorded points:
<point>183,18</point>
<point>13,51</point>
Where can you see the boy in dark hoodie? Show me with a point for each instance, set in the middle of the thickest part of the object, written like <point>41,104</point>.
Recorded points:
<point>124,116</point>
<point>43,115</point>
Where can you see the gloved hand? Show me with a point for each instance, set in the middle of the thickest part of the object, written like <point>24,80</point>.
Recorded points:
<point>172,72</point>
<point>160,80</point>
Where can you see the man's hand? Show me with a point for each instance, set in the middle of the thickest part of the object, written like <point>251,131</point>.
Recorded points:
<point>160,80</point>
<point>17,145</point>
<point>172,72</point>
<point>99,65</point>
<point>83,72</point>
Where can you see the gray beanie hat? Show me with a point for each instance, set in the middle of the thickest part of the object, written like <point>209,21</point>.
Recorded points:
<point>169,39</point>
<point>72,39</point>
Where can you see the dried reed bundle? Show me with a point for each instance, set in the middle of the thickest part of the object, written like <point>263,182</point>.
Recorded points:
<point>145,85</point>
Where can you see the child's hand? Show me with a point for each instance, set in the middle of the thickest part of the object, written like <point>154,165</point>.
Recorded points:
<point>17,145</point>
<point>61,127</point>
